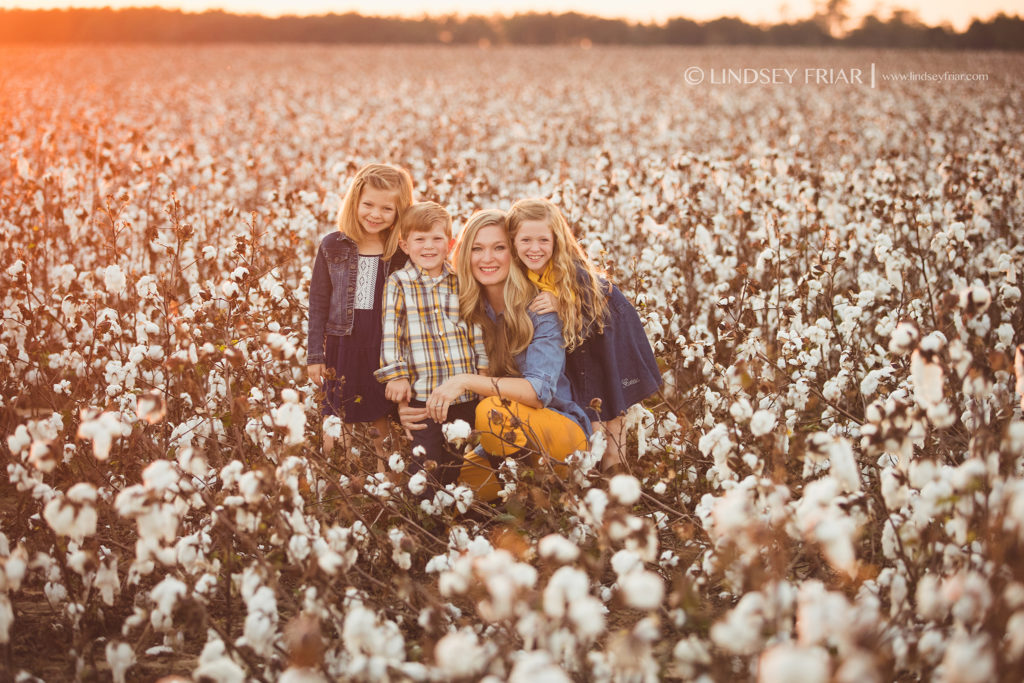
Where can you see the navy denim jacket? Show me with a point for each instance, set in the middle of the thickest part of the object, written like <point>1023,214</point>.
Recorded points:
<point>332,291</point>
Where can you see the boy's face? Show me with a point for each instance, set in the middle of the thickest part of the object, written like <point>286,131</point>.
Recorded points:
<point>428,249</point>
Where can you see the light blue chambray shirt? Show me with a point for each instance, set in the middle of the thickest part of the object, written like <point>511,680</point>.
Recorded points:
<point>542,364</point>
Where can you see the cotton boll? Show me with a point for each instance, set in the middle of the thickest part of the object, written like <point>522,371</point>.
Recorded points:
<point>1004,336</point>
<point>114,280</point>
<point>460,655</point>
<point>165,595</point>
<point>975,300</point>
<point>101,428</point>
<point>642,589</point>
<point>21,437</point>
<point>193,463</point>
<point>160,476</point>
<point>281,345</point>
<point>625,561</point>
<point>741,410</point>
<point>1013,640</point>
<point>565,586</point>
<point>151,407</point>
<point>788,663</point>
<point>261,621</point>
<point>216,665</point>
<point>927,377</point>
<point>13,569</point>
<point>762,422</point>
<point>718,444</point>
<point>970,595</point>
<point>558,548</point>
<point>454,582</point>
<point>291,417</point>
<point>968,659</point>
<point>820,518</point>
<point>869,385</point>
<point>120,658</point>
<point>536,667</point>
<point>68,519</point>
<point>596,502</point>
<point>624,488</point>
<point>41,457</point>
<point>904,337</point>
<point>463,496</point>
<point>858,667</point>
<point>691,654</point>
<point>456,432</point>
<point>933,343</point>
<point>739,632</point>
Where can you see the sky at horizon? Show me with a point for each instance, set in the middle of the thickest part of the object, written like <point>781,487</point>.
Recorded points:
<point>934,12</point>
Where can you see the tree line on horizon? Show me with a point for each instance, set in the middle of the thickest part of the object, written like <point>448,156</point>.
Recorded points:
<point>902,30</point>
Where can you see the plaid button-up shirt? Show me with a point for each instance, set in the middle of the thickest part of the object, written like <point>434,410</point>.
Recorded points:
<point>425,340</point>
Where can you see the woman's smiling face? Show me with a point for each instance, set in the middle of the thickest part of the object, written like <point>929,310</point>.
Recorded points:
<point>490,255</point>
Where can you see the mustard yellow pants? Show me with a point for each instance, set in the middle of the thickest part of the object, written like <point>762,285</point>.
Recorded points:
<point>510,428</point>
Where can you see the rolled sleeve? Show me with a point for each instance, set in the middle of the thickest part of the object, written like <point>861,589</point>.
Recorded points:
<point>544,359</point>
<point>393,364</point>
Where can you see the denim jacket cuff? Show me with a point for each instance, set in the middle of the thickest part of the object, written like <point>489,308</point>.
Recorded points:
<point>315,359</point>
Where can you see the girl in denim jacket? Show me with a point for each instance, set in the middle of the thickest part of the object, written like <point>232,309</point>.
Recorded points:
<point>345,302</point>
<point>609,359</point>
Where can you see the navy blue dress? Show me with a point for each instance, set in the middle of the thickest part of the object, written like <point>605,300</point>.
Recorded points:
<point>616,366</point>
<point>355,394</point>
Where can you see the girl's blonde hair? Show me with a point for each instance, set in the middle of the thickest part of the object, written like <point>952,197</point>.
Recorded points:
<point>582,299</point>
<point>379,177</point>
<point>513,331</point>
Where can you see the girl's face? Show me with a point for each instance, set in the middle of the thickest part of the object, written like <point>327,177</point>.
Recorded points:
<point>535,244</point>
<point>490,256</point>
<point>377,210</point>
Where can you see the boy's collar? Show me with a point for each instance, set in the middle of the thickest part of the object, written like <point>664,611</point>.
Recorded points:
<point>446,269</point>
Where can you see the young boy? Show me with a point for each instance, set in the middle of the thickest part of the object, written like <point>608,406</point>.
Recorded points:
<point>425,341</point>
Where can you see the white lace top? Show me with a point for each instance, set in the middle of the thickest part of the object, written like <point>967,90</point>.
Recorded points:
<point>366,281</point>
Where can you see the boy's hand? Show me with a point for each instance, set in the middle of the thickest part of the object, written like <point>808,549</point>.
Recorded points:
<point>545,302</point>
<point>398,390</point>
<point>316,373</point>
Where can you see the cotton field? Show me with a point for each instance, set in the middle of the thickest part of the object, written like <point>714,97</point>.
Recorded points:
<point>830,486</point>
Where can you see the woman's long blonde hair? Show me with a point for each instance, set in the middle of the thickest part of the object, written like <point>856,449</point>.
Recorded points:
<point>379,177</point>
<point>513,331</point>
<point>582,300</point>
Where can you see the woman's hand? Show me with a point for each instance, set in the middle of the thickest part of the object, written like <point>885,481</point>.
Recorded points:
<point>411,418</point>
<point>316,373</point>
<point>545,302</point>
<point>444,395</point>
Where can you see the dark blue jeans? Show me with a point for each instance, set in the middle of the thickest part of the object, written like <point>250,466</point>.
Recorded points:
<point>447,457</point>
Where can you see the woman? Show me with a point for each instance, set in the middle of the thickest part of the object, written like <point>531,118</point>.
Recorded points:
<point>526,408</point>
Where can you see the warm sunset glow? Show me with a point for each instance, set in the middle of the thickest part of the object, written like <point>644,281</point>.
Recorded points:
<point>934,12</point>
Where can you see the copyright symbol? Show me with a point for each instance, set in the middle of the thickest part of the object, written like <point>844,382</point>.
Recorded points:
<point>694,75</point>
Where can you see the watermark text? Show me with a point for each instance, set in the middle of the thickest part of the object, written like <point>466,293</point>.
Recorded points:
<point>867,76</point>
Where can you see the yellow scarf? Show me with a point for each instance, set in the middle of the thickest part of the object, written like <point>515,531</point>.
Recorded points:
<point>545,281</point>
